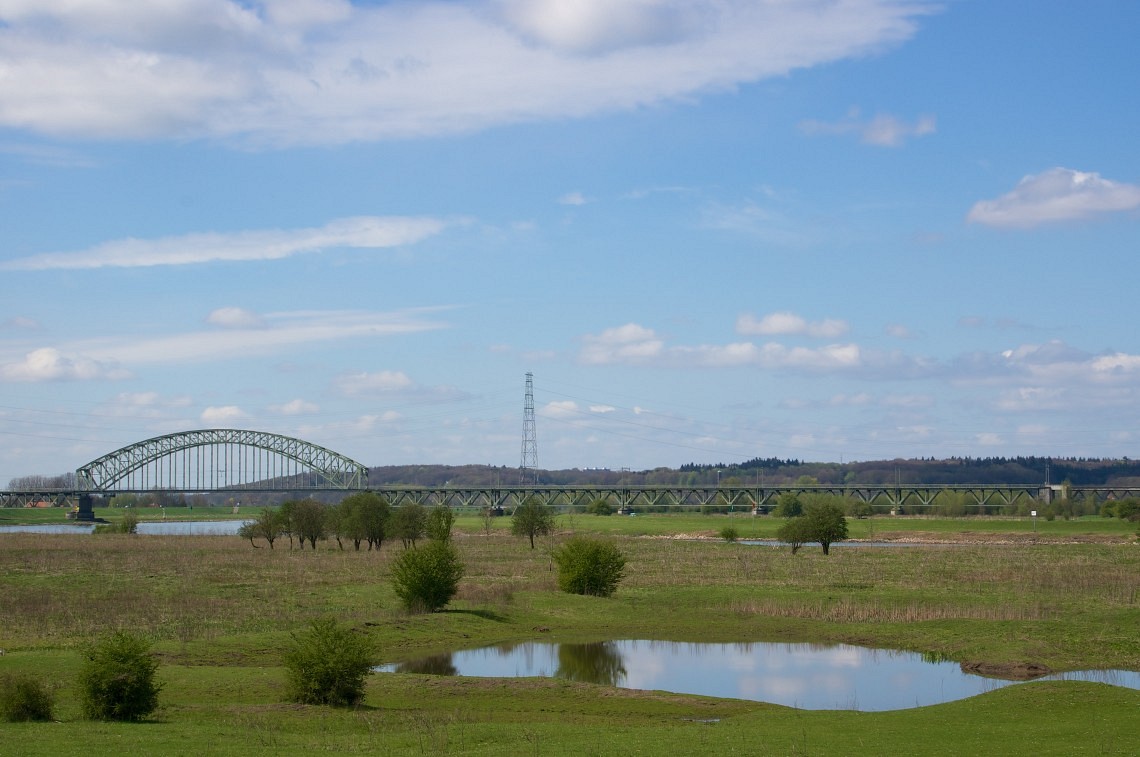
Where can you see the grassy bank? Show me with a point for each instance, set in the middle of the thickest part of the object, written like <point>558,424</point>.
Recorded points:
<point>219,612</point>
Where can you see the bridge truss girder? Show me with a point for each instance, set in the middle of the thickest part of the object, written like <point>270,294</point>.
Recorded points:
<point>190,460</point>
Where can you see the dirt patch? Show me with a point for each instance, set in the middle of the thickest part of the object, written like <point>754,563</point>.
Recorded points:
<point>1009,671</point>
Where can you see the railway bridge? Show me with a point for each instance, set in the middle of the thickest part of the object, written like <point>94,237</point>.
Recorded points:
<point>236,461</point>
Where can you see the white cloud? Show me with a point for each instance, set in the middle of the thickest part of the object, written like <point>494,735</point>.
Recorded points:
<point>627,343</point>
<point>1116,364</point>
<point>572,198</point>
<point>560,409</point>
<point>381,382</point>
<point>881,130</point>
<point>360,232</point>
<point>899,331</point>
<point>296,407</point>
<point>273,73</point>
<point>223,416</point>
<point>50,364</point>
<point>1059,194</point>
<point>235,318</point>
<point>603,409</point>
<point>790,324</point>
<point>832,356</point>
<point>149,405</point>
<point>595,26</point>
<point>282,331</point>
<point>20,323</point>
<point>638,345</point>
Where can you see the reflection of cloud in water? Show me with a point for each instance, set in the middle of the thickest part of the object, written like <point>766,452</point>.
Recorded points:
<point>773,688</point>
<point>810,676</point>
<point>645,667</point>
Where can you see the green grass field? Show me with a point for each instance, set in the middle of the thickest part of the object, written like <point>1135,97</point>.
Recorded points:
<point>219,612</point>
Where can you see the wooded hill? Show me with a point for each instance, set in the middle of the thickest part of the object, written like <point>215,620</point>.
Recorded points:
<point>774,472</point>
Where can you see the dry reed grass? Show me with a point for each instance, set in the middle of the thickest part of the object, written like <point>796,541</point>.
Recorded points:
<point>64,589</point>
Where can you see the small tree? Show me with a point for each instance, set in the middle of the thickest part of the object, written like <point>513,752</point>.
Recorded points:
<point>532,518</point>
<point>794,532</point>
<point>327,664</point>
<point>426,579</point>
<point>788,505</point>
<point>589,566</point>
<point>24,697</point>
<point>363,518</point>
<point>248,531</point>
<point>439,523</point>
<point>116,681</point>
<point>269,525</point>
<point>822,521</point>
<point>409,523</point>
<point>825,522</point>
<point>309,522</point>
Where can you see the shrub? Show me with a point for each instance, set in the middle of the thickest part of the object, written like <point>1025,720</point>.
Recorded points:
<point>599,507</point>
<point>1127,509</point>
<point>795,532</point>
<point>128,524</point>
<point>589,566</point>
<point>439,523</point>
<point>788,505</point>
<point>426,579</point>
<point>117,679</point>
<point>327,664</point>
<point>24,697</point>
<point>729,533</point>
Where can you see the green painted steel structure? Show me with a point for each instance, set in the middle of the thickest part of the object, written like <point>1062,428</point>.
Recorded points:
<point>217,459</point>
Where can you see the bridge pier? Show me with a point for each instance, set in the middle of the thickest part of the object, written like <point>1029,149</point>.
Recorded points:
<point>85,512</point>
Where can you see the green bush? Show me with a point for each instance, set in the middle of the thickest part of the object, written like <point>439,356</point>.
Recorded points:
<point>729,533</point>
<point>24,697</point>
<point>795,532</point>
<point>117,679</point>
<point>426,579</point>
<point>788,506</point>
<point>599,507</point>
<point>439,522</point>
<point>128,524</point>
<point>327,664</point>
<point>589,566</point>
<point>1127,509</point>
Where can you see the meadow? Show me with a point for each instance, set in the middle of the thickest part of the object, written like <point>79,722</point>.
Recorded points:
<point>219,612</point>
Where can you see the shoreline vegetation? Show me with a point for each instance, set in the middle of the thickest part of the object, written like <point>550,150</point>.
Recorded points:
<point>218,614</point>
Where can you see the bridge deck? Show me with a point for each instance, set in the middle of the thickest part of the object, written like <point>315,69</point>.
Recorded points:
<point>909,498</point>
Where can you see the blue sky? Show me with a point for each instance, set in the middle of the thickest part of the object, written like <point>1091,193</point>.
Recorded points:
<point>827,230</point>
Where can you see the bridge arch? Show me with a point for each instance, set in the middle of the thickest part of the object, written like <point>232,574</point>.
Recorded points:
<point>212,459</point>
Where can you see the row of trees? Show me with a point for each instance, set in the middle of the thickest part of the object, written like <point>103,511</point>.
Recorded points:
<point>364,518</point>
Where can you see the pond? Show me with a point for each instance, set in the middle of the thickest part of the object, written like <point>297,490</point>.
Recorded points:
<point>151,527</point>
<point>815,544</point>
<point>807,676</point>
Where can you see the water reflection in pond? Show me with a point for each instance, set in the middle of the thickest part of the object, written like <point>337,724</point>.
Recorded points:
<point>808,676</point>
<point>151,527</point>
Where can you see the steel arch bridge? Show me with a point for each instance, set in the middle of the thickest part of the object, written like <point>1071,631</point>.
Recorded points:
<point>221,459</point>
